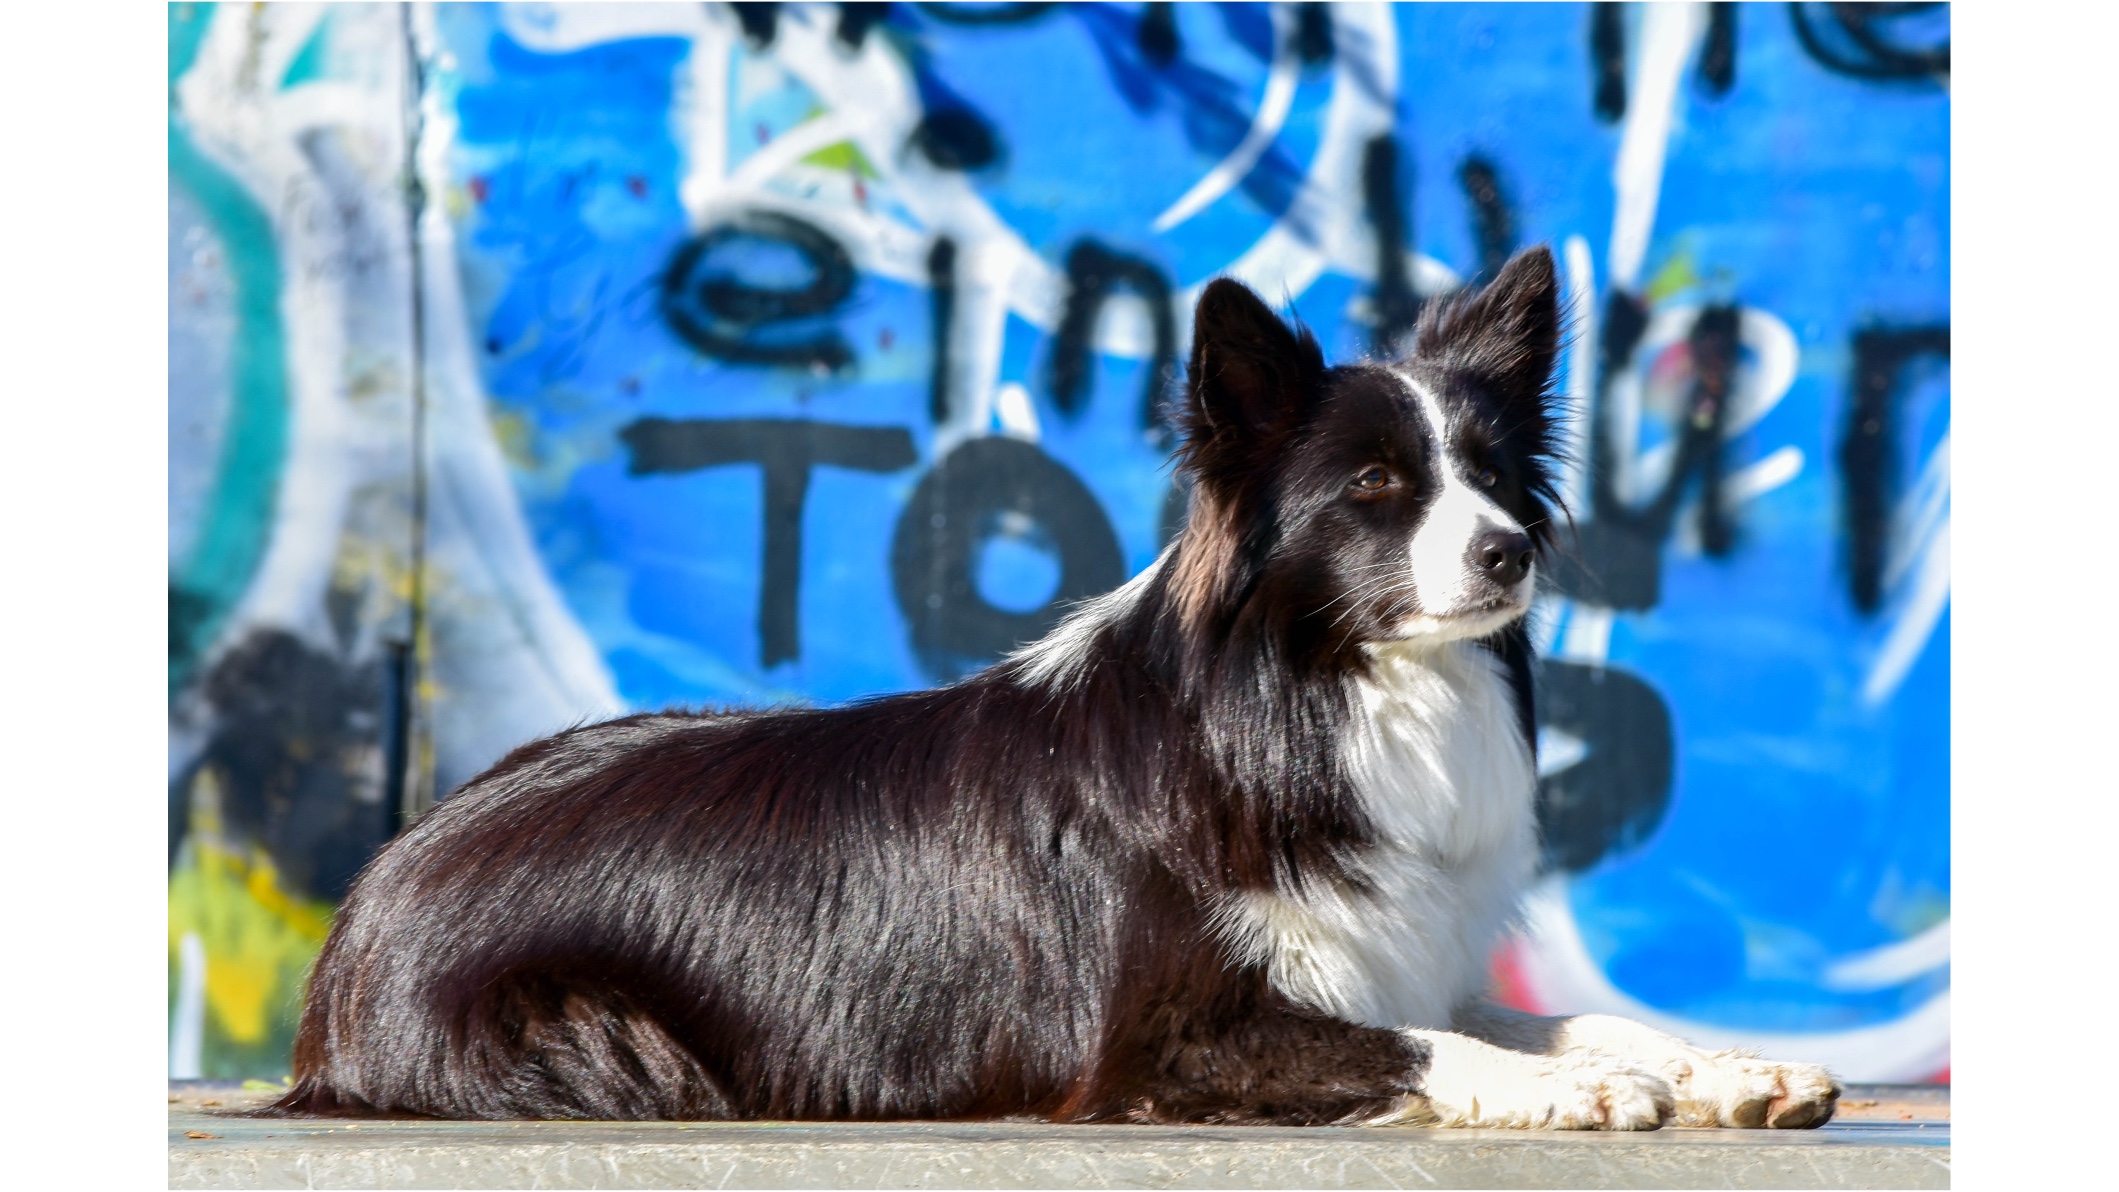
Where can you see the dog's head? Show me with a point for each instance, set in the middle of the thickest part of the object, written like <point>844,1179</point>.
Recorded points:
<point>1406,500</point>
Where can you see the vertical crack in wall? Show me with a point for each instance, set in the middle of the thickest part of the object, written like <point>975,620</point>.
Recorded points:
<point>410,754</point>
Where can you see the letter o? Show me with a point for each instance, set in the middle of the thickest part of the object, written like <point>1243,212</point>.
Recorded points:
<point>933,553</point>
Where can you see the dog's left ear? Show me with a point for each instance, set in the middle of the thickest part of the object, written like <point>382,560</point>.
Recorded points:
<point>1251,382</point>
<point>1507,333</point>
<point>1250,372</point>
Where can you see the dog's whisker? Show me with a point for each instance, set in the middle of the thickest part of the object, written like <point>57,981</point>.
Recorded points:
<point>1357,592</point>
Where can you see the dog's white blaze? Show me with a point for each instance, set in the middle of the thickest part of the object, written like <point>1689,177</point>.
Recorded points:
<point>1442,770</point>
<point>1440,555</point>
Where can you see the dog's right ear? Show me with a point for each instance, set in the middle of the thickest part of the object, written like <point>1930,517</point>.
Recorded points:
<point>1251,377</point>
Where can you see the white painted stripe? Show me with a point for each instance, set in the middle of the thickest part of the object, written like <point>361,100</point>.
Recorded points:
<point>1363,104</point>
<point>1581,370</point>
<point>1588,634</point>
<point>1564,979</point>
<point>1548,612</point>
<point>1668,33</point>
<point>564,28</point>
<point>1272,113</point>
<point>1909,634</point>
<point>559,671</point>
<point>1763,476</point>
<point>187,1024</point>
<point>1014,414</point>
<point>985,266</point>
<point>788,148</point>
<point>705,103</point>
<point>1892,964</point>
<point>873,90</point>
<point>1621,414</point>
<point>1919,514</point>
<point>703,86</point>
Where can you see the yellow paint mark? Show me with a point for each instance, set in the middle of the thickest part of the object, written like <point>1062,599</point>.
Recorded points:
<point>1677,275</point>
<point>512,431</point>
<point>259,939</point>
<point>843,156</point>
<point>377,572</point>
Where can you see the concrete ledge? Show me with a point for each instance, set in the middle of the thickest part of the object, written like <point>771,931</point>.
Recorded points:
<point>1902,1150</point>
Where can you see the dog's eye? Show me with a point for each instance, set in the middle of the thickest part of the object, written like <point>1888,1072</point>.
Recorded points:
<point>1373,479</point>
<point>1486,477</point>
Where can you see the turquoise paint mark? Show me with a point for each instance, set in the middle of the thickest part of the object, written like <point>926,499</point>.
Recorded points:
<point>238,516</point>
<point>308,64</point>
<point>187,28</point>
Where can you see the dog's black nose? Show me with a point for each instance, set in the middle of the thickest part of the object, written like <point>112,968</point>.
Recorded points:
<point>1502,556</point>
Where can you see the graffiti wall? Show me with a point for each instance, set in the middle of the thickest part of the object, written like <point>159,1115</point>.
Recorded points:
<point>532,362</point>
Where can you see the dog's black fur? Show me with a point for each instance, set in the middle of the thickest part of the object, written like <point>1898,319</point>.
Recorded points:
<point>997,898</point>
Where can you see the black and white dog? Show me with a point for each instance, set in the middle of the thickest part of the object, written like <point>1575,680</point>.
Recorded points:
<point>1232,844</point>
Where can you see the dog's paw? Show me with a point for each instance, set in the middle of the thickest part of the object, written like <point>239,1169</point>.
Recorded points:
<point>1807,1097</point>
<point>1568,1093</point>
<point>1630,1098</point>
<point>1734,1089</point>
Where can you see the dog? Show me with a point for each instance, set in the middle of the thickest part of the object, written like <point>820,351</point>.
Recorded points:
<point>1232,844</point>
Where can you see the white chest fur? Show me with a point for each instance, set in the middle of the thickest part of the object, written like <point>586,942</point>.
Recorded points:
<point>1442,769</point>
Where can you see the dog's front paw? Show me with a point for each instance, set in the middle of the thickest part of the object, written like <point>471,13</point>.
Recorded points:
<point>1626,1098</point>
<point>1630,1098</point>
<point>1569,1093</point>
<point>1807,1097</point>
<point>1734,1089</point>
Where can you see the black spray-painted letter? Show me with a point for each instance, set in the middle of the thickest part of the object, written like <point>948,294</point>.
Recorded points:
<point>973,495</point>
<point>787,450</point>
<point>718,296</point>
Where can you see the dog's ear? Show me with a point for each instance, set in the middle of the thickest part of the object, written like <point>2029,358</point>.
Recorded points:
<point>1507,333</point>
<point>1251,377</point>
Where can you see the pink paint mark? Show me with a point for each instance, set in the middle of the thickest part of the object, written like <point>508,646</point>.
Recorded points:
<point>1509,986</point>
<point>860,193</point>
<point>480,188</point>
<point>638,185</point>
<point>884,339</point>
<point>1672,364</point>
<point>764,134</point>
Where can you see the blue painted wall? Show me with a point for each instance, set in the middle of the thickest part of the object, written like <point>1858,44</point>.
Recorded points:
<point>1746,751</point>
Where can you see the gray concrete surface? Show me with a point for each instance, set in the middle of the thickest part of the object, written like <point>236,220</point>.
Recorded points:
<point>1899,1139</point>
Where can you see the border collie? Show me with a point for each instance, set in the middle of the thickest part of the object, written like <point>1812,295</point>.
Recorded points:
<point>1233,844</point>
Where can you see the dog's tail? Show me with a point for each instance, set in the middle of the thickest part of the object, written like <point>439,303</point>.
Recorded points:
<point>310,1096</point>
<point>528,1047</point>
